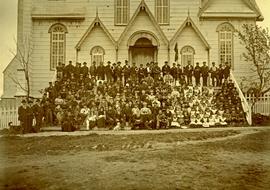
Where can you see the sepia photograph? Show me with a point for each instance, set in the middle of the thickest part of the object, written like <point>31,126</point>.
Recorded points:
<point>134,94</point>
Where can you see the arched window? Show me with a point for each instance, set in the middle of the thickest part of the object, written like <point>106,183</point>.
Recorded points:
<point>187,54</point>
<point>58,44</point>
<point>225,39</point>
<point>97,54</point>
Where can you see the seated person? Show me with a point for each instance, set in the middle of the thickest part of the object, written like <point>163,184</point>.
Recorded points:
<point>136,117</point>
<point>162,121</point>
<point>101,118</point>
<point>145,114</point>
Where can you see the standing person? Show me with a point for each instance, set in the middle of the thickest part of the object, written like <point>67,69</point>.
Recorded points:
<point>118,71</point>
<point>69,69</point>
<point>188,72</point>
<point>93,70</point>
<point>220,75</point>
<point>197,74</point>
<point>126,71</point>
<point>59,71</point>
<point>141,73</point>
<point>84,70</point>
<point>101,71</point>
<point>156,71</point>
<point>166,68</point>
<point>148,69</point>
<point>205,73</point>
<point>38,114</point>
<point>133,72</point>
<point>109,72</point>
<point>173,72</point>
<point>226,71</point>
<point>180,77</point>
<point>30,117</point>
<point>22,113</point>
<point>214,73</point>
<point>77,70</point>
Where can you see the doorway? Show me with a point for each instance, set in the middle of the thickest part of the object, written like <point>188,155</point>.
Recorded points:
<point>143,52</point>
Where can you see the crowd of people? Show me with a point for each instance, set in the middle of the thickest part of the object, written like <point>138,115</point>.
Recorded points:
<point>113,96</point>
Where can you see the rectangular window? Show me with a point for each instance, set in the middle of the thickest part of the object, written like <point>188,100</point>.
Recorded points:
<point>121,12</point>
<point>162,11</point>
<point>225,47</point>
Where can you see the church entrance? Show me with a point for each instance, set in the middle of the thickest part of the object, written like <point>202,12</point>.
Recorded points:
<point>142,52</point>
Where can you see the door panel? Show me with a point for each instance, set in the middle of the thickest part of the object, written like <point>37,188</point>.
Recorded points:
<point>142,55</point>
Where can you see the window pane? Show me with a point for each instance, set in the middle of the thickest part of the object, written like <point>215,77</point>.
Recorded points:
<point>57,46</point>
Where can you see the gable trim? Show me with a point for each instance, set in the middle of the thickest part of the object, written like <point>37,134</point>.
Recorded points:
<point>96,22</point>
<point>143,7</point>
<point>250,3</point>
<point>189,22</point>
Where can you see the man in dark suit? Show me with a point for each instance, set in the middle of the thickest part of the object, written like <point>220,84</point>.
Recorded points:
<point>134,72</point>
<point>69,69</point>
<point>226,71</point>
<point>126,71</point>
<point>173,72</point>
<point>156,72</point>
<point>205,73</point>
<point>93,70</point>
<point>166,68</point>
<point>84,70</point>
<point>189,72</point>
<point>197,74</point>
<point>141,73</point>
<point>23,116</point>
<point>109,72</point>
<point>180,76</point>
<point>118,71</point>
<point>101,71</point>
<point>214,74</point>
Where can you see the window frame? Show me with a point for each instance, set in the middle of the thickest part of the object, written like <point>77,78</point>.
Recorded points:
<point>182,55</point>
<point>168,9</point>
<point>115,13</point>
<point>92,54</point>
<point>225,29</point>
<point>51,31</point>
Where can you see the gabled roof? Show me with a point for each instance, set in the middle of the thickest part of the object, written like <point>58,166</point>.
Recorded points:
<point>189,22</point>
<point>143,7</point>
<point>96,23</point>
<point>250,3</point>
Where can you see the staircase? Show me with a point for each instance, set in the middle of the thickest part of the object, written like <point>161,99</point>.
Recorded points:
<point>245,104</point>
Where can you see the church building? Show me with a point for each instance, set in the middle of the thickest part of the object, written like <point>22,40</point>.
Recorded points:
<point>140,31</point>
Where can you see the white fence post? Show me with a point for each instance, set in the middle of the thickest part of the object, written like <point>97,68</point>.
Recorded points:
<point>8,112</point>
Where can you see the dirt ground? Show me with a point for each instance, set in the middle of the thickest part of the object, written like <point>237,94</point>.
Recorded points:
<point>190,159</point>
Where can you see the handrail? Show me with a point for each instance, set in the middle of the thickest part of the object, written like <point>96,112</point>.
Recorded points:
<point>245,104</point>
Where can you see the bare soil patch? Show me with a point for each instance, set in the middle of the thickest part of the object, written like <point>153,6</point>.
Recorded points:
<point>228,159</point>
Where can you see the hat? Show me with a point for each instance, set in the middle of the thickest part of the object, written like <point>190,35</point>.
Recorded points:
<point>84,63</point>
<point>23,101</point>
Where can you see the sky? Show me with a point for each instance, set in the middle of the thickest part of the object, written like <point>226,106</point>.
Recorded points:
<point>8,30</point>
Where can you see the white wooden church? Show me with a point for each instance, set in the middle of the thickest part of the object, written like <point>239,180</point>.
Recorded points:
<point>140,31</point>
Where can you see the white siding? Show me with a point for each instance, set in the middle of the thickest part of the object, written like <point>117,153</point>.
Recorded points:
<point>97,37</point>
<point>189,37</point>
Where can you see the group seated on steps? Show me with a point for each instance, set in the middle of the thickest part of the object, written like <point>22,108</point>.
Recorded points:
<point>159,104</point>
